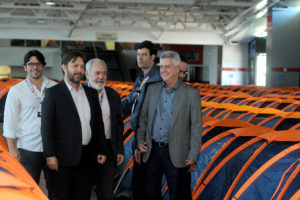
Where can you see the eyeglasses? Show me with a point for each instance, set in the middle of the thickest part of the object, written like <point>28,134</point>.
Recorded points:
<point>183,72</point>
<point>32,64</point>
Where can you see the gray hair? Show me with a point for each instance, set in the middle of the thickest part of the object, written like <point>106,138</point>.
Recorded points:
<point>171,54</point>
<point>89,64</point>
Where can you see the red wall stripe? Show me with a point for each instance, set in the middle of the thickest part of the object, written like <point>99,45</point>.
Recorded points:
<point>234,69</point>
<point>285,69</point>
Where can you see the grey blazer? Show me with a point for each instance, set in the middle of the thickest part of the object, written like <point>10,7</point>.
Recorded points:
<point>186,129</point>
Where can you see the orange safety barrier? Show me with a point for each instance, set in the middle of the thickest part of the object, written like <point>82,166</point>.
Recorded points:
<point>13,175</point>
<point>3,142</point>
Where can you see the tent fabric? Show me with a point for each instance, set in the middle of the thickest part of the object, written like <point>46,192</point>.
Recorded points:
<point>15,193</point>
<point>222,176</point>
<point>286,180</point>
<point>296,196</point>
<point>218,157</point>
<point>14,175</point>
<point>268,175</point>
<point>205,158</point>
<point>292,191</point>
<point>3,143</point>
<point>266,154</point>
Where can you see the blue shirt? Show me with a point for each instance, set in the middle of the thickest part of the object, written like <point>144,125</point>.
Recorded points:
<point>164,113</point>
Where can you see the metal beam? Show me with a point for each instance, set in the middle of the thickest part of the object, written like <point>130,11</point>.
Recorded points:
<point>80,16</point>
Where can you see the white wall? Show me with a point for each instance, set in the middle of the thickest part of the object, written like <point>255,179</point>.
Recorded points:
<point>89,34</point>
<point>210,59</point>
<point>235,57</point>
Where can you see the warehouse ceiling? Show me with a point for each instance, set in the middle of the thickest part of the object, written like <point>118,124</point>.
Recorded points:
<point>129,20</point>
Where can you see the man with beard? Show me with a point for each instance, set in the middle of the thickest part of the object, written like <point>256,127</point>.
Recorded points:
<point>110,102</point>
<point>72,132</point>
<point>146,55</point>
<point>22,116</point>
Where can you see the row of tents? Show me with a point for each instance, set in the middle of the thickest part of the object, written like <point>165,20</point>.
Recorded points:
<point>248,151</point>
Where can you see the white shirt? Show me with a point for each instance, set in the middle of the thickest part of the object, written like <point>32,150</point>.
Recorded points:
<point>84,112</point>
<point>105,113</point>
<point>21,112</point>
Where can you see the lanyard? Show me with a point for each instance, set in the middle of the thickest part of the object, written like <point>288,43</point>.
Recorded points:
<point>138,93</point>
<point>38,98</point>
<point>101,97</point>
<point>144,81</point>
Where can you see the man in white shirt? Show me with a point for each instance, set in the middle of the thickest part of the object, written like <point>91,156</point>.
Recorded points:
<point>110,102</point>
<point>72,132</point>
<point>22,115</point>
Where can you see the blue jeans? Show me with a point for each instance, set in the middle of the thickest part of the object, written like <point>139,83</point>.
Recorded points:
<point>178,179</point>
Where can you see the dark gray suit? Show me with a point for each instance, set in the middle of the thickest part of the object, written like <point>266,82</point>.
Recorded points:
<point>184,141</point>
<point>185,136</point>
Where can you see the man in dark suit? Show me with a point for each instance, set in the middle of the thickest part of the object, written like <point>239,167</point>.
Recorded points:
<point>169,131</point>
<point>110,102</point>
<point>72,132</point>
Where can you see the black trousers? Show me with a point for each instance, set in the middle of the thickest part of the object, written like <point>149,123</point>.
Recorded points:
<point>34,163</point>
<point>138,181</point>
<point>104,175</point>
<point>178,179</point>
<point>72,182</point>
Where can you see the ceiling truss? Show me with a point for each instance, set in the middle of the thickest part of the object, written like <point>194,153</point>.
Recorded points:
<point>224,16</point>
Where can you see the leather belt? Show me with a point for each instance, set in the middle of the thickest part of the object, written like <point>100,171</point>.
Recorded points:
<point>160,144</point>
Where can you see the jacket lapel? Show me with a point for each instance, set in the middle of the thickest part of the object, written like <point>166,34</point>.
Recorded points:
<point>154,101</point>
<point>110,101</point>
<point>178,102</point>
<point>89,98</point>
<point>68,97</point>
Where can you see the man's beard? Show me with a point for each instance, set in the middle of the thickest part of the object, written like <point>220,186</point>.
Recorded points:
<point>72,78</point>
<point>96,86</point>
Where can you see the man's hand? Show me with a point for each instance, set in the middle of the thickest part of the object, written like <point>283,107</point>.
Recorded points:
<point>15,153</point>
<point>120,158</point>
<point>52,163</point>
<point>143,147</point>
<point>137,156</point>
<point>12,146</point>
<point>192,165</point>
<point>101,159</point>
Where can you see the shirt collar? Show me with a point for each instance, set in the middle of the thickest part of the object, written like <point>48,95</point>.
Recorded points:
<point>103,92</point>
<point>44,82</point>
<point>151,71</point>
<point>175,87</point>
<point>70,87</point>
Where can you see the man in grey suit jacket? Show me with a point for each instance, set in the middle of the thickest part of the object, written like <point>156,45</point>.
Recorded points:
<point>169,131</point>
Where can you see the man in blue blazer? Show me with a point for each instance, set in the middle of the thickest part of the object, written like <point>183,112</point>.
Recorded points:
<point>110,102</point>
<point>169,131</point>
<point>72,132</point>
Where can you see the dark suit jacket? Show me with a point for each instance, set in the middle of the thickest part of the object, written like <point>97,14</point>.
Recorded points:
<point>116,122</point>
<point>61,127</point>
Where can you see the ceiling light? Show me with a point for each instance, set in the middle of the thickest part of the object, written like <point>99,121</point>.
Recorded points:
<point>261,34</point>
<point>41,21</point>
<point>261,4</point>
<point>261,13</point>
<point>50,3</point>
